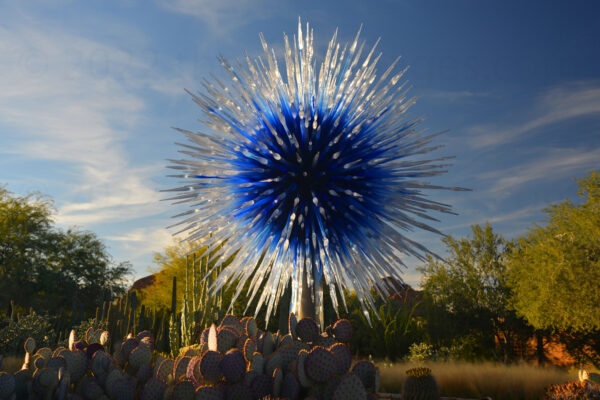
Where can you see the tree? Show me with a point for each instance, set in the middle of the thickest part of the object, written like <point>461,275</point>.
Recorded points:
<point>44,267</point>
<point>176,261</point>
<point>555,271</point>
<point>469,291</point>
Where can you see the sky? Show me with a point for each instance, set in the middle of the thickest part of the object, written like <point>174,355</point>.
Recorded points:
<point>90,92</point>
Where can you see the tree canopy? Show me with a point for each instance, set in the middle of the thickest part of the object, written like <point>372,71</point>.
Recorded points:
<point>555,270</point>
<point>177,261</point>
<point>470,288</point>
<point>44,267</point>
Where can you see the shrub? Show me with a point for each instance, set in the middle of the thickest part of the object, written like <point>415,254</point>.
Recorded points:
<point>391,331</point>
<point>573,390</point>
<point>37,326</point>
<point>421,352</point>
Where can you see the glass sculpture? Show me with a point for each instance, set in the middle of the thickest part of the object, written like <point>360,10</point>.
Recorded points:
<point>307,175</point>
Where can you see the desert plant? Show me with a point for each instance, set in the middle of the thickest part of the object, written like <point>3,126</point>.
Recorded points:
<point>37,326</point>
<point>573,390</point>
<point>420,385</point>
<point>421,352</point>
<point>389,333</point>
<point>234,360</point>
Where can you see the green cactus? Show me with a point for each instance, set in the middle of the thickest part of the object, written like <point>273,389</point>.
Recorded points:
<point>187,323</point>
<point>174,336</point>
<point>420,385</point>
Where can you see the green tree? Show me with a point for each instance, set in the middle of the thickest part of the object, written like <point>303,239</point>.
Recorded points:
<point>468,294</point>
<point>44,267</point>
<point>555,271</point>
<point>174,261</point>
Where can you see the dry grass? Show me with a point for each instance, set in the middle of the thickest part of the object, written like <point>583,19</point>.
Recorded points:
<point>469,380</point>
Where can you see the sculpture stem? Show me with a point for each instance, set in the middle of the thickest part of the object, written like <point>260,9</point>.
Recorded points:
<point>307,303</point>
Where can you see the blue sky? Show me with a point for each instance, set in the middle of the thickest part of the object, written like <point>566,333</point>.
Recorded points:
<point>89,91</point>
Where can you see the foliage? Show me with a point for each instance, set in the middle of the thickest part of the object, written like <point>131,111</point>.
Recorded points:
<point>177,261</point>
<point>391,332</point>
<point>469,293</point>
<point>573,390</point>
<point>44,267</point>
<point>462,348</point>
<point>37,326</point>
<point>170,263</point>
<point>421,352</point>
<point>555,271</point>
<point>583,346</point>
<point>81,329</point>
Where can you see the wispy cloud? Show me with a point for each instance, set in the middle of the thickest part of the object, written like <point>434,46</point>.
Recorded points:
<point>556,105</point>
<point>67,99</point>
<point>141,241</point>
<point>515,215</point>
<point>221,16</point>
<point>555,164</point>
<point>455,95</point>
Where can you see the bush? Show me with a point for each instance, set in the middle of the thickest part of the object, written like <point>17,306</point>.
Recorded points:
<point>573,390</point>
<point>37,326</point>
<point>81,329</point>
<point>463,348</point>
<point>421,352</point>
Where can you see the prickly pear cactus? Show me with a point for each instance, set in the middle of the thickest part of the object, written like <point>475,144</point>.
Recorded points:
<point>343,357</point>
<point>226,339</point>
<point>349,387</point>
<point>342,330</point>
<point>261,386</point>
<point>210,366</point>
<point>367,373</point>
<point>307,330</point>
<point>209,393</point>
<point>153,389</point>
<point>320,365</point>
<point>7,385</point>
<point>233,366</point>
<point>234,361</point>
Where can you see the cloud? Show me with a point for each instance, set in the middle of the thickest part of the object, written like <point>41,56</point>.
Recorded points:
<point>138,243</point>
<point>557,163</point>
<point>455,95</point>
<point>558,104</point>
<point>73,101</point>
<point>515,215</point>
<point>145,240</point>
<point>221,16</point>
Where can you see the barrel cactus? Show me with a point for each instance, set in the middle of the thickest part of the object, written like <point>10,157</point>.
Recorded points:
<point>420,385</point>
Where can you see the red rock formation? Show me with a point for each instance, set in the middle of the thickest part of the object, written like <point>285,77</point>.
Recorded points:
<point>144,282</point>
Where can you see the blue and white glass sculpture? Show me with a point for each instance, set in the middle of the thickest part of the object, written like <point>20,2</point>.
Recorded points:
<point>315,175</point>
